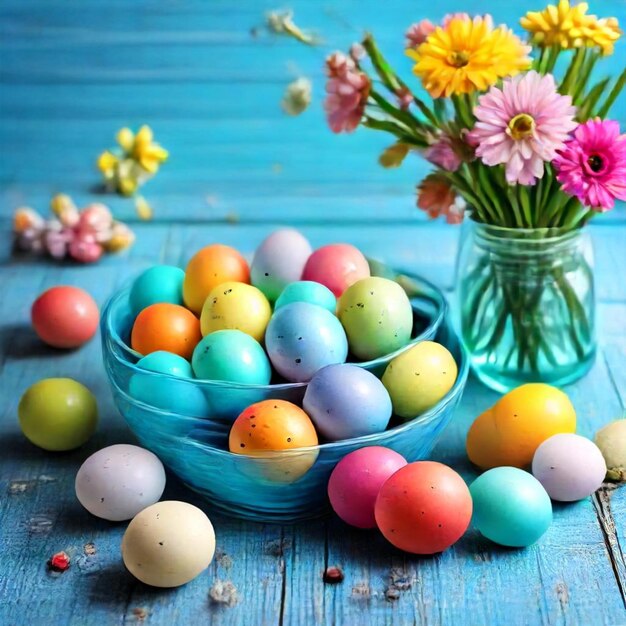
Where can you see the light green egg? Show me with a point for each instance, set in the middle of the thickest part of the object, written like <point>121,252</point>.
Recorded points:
<point>419,378</point>
<point>377,317</point>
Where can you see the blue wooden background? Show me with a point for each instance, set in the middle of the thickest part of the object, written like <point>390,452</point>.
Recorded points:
<point>208,77</point>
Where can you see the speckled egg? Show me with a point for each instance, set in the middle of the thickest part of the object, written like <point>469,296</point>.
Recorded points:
<point>236,306</point>
<point>165,393</point>
<point>232,356</point>
<point>161,283</point>
<point>510,507</point>
<point>279,260</point>
<point>307,291</point>
<point>419,378</point>
<point>356,480</point>
<point>377,317</point>
<point>347,401</point>
<point>117,482</point>
<point>302,338</point>
<point>337,266</point>
<point>611,440</point>
<point>569,467</point>
<point>168,544</point>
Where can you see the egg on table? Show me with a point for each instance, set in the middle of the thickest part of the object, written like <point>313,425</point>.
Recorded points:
<point>302,338</point>
<point>117,482</point>
<point>278,261</point>
<point>236,306</point>
<point>168,544</point>
<point>419,377</point>
<point>611,440</point>
<point>377,316</point>
<point>307,291</point>
<point>209,267</point>
<point>161,283</point>
<point>170,395</point>
<point>346,401</point>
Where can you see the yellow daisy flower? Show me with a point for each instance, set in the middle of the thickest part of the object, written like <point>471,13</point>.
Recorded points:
<point>468,55</point>
<point>603,33</point>
<point>106,163</point>
<point>148,154</point>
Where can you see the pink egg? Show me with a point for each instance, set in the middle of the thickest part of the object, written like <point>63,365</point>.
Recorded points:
<point>356,481</point>
<point>65,317</point>
<point>337,266</point>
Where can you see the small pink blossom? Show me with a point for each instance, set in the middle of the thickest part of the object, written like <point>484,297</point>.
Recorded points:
<point>522,125</point>
<point>405,98</point>
<point>84,248</point>
<point>57,239</point>
<point>442,154</point>
<point>592,165</point>
<point>417,33</point>
<point>357,52</point>
<point>459,16</point>
<point>347,92</point>
<point>436,197</point>
<point>97,220</point>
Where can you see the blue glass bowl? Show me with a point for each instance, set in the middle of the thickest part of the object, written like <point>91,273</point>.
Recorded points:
<point>285,486</point>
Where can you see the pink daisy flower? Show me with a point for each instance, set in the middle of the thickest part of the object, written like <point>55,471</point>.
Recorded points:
<point>592,165</point>
<point>417,33</point>
<point>347,92</point>
<point>522,125</point>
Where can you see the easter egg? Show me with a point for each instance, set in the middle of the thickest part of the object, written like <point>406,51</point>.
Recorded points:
<point>302,338</point>
<point>164,393</point>
<point>117,482</point>
<point>377,317</point>
<point>519,422</point>
<point>168,327</point>
<point>423,508</point>
<point>232,356</point>
<point>611,440</point>
<point>65,317</point>
<point>58,414</point>
<point>279,260</point>
<point>419,378</point>
<point>511,507</point>
<point>236,306</point>
<point>307,291</point>
<point>161,283</point>
<point>347,401</point>
<point>168,544</point>
<point>212,266</point>
<point>337,266</point>
<point>569,467</point>
<point>356,480</point>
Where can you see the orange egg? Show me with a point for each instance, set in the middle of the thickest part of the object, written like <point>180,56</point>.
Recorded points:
<point>271,425</point>
<point>209,267</point>
<point>483,442</point>
<point>168,327</point>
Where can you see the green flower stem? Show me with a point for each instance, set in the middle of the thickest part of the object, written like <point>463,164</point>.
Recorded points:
<point>572,71</point>
<point>589,102</point>
<point>389,126</point>
<point>617,88</point>
<point>463,113</point>
<point>553,56</point>
<point>403,117</point>
<point>582,80</point>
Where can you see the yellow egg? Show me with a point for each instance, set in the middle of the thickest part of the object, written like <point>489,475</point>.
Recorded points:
<point>236,306</point>
<point>419,378</point>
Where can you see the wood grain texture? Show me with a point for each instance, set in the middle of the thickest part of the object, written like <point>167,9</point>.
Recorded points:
<point>209,79</point>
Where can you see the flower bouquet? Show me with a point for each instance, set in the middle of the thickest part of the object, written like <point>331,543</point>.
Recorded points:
<point>517,134</point>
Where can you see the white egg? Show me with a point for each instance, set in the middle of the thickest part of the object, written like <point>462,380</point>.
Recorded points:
<point>168,544</point>
<point>278,261</point>
<point>117,482</point>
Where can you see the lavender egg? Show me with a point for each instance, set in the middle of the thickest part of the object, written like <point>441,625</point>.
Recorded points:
<point>569,467</point>
<point>346,401</point>
<point>119,481</point>
<point>278,261</point>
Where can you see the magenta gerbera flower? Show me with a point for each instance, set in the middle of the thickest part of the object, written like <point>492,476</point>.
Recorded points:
<point>592,165</point>
<point>522,125</point>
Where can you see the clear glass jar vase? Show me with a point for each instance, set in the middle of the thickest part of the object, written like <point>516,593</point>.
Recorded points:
<point>526,302</point>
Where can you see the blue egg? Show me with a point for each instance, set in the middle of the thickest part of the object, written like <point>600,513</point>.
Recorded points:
<point>180,397</point>
<point>233,356</point>
<point>307,291</point>
<point>301,338</point>
<point>511,507</point>
<point>346,401</point>
<point>161,283</point>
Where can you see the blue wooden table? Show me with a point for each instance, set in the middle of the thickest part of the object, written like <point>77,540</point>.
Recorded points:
<point>209,77</point>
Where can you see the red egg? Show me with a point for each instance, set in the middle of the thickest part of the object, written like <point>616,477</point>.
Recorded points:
<point>65,317</point>
<point>424,508</point>
<point>337,266</point>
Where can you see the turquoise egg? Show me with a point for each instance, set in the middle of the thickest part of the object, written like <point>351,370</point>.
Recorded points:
<point>511,507</point>
<point>161,283</point>
<point>233,356</point>
<point>175,396</point>
<point>307,291</point>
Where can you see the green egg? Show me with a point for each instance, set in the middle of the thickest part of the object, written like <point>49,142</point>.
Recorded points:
<point>377,317</point>
<point>58,414</point>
